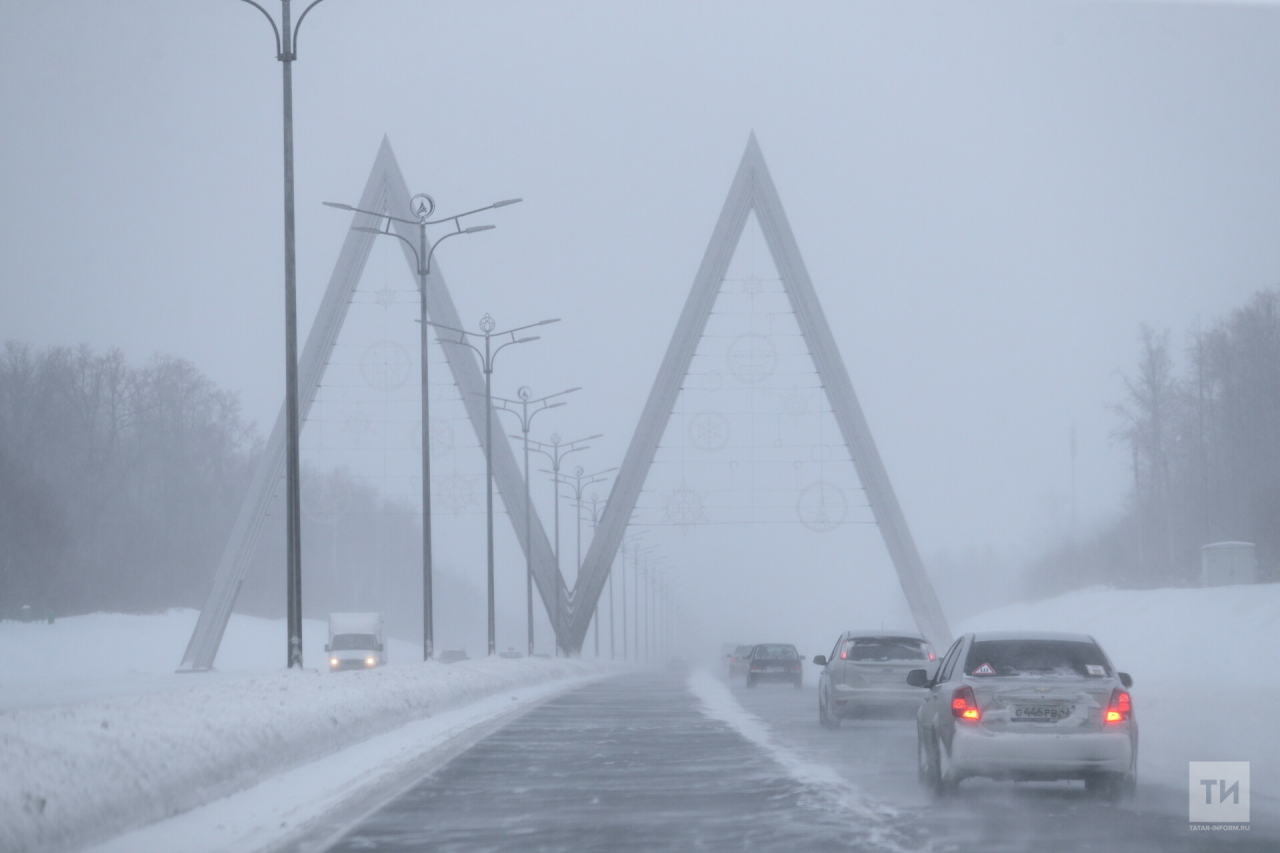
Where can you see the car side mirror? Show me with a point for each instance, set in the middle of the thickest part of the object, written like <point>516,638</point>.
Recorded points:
<point>820,660</point>
<point>918,678</point>
<point>1126,679</point>
<point>380,646</point>
<point>326,648</point>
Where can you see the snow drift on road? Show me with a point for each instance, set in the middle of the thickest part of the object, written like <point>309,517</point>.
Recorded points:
<point>75,773</point>
<point>876,820</point>
<point>1201,663</point>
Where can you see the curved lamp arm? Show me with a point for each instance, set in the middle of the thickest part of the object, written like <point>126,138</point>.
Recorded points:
<point>274,28</point>
<point>389,233</point>
<point>509,343</point>
<point>298,26</point>
<point>437,243</point>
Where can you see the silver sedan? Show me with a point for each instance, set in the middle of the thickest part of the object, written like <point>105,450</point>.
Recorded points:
<point>1027,706</point>
<point>867,670</point>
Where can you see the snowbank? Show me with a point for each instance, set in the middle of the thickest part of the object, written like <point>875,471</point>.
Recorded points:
<point>1202,667</point>
<point>99,655</point>
<point>74,774</point>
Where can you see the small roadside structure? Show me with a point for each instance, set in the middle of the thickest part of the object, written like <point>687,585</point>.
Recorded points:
<point>1227,564</point>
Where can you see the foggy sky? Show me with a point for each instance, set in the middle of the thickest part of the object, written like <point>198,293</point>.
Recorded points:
<point>990,198</point>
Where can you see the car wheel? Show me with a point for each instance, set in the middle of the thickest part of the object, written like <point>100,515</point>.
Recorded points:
<point>1113,787</point>
<point>938,779</point>
<point>825,716</point>
<point>925,770</point>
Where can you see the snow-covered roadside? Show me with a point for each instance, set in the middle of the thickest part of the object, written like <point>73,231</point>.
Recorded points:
<point>1200,659</point>
<point>299,805</point>
<point>82,773</point>
<point>100,655</point>
<point>718,703</point>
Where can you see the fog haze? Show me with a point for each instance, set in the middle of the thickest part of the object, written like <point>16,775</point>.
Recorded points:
<point>990,199</point>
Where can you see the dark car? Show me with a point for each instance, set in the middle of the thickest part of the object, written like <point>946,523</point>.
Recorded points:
<point>775,662</point>
<point>738,659</point>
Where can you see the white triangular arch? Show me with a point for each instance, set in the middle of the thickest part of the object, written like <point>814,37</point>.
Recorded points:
<point>753,190</point>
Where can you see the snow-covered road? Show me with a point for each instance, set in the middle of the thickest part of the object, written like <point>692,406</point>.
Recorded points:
<point>654,761</point>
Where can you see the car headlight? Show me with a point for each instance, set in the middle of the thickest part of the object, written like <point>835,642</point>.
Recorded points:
<point>369,661</point>
<point>333,661</point>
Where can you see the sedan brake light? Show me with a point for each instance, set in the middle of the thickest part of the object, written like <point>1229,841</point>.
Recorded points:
<point>964,705</point>
<point>1120,707</point>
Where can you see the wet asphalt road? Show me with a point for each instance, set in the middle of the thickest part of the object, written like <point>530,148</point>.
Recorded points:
<point>632,764</point>
<point>878,755</point>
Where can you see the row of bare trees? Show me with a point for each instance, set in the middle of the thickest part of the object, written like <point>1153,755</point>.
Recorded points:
<point>119,486</point>
<point>117,483</point>
<point>1204,445</point>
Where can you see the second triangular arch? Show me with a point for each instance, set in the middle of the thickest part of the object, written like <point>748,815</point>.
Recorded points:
<point>753,191</point>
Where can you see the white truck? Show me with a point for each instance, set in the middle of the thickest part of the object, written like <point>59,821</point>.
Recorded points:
<point>356,641</point>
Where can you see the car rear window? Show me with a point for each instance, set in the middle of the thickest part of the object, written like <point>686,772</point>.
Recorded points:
<point>1067,658</point>
<point>775,652</point>
<point>884,649</point>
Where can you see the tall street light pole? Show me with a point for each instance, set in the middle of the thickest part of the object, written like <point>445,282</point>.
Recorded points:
<point>555,451</point>
<point>423,206</point>
<point>286,52</point>
<point>526,419</point>
<point>487,356</point>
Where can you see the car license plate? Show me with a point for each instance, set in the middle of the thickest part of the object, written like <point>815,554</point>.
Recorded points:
<point>1042,713</point>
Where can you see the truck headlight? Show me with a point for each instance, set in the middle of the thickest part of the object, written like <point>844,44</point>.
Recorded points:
<point>333,661</point>
<point>369,661</point>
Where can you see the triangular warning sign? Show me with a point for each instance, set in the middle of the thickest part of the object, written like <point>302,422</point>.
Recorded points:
<point>753,191</point>
<point>985,669</point>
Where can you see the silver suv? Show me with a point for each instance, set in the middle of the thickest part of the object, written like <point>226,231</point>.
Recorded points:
<point>867,669</point>
<point>1028,706</point>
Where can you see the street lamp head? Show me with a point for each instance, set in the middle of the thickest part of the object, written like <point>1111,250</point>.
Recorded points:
<point>366,229</point>
<point>532,338</point>
<point>337,205</point>
<point>545,322</point>
<point>487,324</point>
<point>474,228</point>
<point>507,201</point>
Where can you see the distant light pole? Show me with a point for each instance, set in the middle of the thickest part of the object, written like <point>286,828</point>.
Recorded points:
<point>287,53</point>
<point>423,206</point>
<point>578,481</point>
<point>556,452</point>
<point>595,522</point>
<point>487,356</point>
<point>631,541</point>
<point>635,581</point>
<point>526,419</point>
